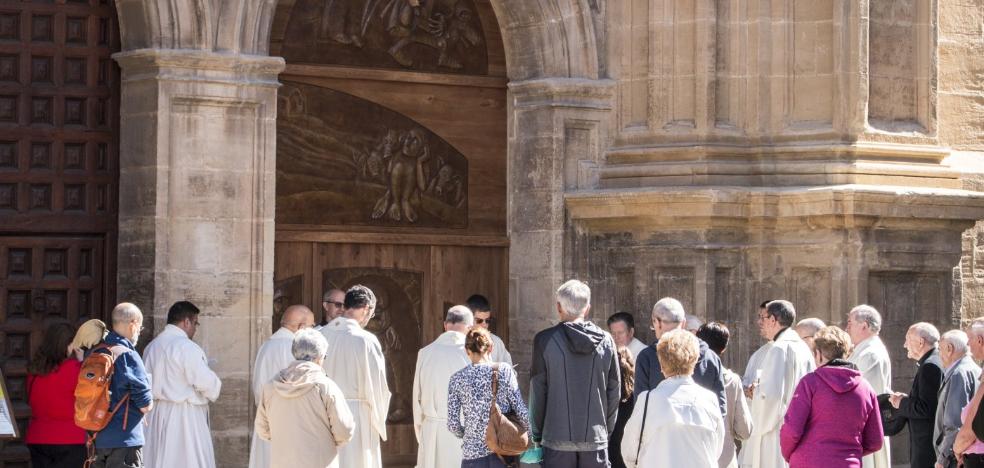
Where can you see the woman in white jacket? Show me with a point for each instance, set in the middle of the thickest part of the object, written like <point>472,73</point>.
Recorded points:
<point>678,420</point>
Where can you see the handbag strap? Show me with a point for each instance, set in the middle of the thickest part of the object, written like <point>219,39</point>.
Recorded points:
<point>645,411</point>
<point>495,382</point>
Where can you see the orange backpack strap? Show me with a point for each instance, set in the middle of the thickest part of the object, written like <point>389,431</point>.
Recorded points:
<point>90,442</point>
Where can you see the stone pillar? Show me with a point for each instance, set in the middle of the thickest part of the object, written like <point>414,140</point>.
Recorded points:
<point>556,132</point>
<point>196,222</point>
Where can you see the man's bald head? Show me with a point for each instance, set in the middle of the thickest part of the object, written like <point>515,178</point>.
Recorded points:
<point>297,317</point>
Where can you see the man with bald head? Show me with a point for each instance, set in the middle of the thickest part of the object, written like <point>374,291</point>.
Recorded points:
<point>272,357</point>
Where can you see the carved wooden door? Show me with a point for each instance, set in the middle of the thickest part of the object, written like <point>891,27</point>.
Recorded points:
<point>59,100</point>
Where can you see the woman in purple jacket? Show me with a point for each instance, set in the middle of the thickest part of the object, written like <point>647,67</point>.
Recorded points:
<point>833,418</point>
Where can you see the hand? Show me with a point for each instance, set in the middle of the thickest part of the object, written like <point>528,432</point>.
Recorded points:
<point>750,391</point>
<point>939,465</point>
<point>896,399</point>
<point>146,409</point>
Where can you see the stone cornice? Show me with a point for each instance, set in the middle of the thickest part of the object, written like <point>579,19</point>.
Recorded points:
<point>563,92</point>
<point>196,65</point>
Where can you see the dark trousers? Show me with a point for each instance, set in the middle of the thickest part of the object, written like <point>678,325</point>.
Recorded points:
<point>126,457</point>
<point>489,461</point>
<point>57,456</point>
<point>973,460</point>
<point>557,459</point>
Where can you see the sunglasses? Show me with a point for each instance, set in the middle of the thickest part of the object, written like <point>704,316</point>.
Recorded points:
<point>481,321</point>
<point>336,304</point>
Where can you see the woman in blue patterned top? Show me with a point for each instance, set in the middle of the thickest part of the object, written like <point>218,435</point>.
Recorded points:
<point>470,399</point>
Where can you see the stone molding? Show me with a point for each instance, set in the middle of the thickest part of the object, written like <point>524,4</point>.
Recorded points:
<point>200,66</point>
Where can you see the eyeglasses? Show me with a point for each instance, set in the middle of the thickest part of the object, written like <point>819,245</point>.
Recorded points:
<point>481,321</point>
<point>336,304</point>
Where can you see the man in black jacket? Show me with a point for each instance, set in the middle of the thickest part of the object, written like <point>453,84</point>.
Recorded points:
<point>574,386</point>
<point>668,314</point>
<point>919,406</point>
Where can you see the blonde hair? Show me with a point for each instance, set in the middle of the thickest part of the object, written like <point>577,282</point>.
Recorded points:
<point>678,351</point>
<point>832,343</point>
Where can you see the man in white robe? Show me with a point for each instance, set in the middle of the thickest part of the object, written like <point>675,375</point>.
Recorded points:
<point>480,307</point>
<point>275,355</point>
<point>355,363</point>
<point>755,361</point>
<point>786,360</point>
<point>436,363</point>
<point>872,359</point>
<point>183,385</point>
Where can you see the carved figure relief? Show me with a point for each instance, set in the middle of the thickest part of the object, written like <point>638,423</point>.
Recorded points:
<point>344,160</point>
<point>426,35</point>
<point>397,325</point>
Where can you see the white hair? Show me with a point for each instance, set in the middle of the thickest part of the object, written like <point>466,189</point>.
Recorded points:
<point>693,323</point>
<point>309,345</point>
<point>126,312</point>
<point>813,324</point>
<point>669,310</point>
<point>460,314</point>
<point>574,298</point>
<point>958,339</point>
<point>976,327</point>
<point>867,314</point>
<point>927,332</point>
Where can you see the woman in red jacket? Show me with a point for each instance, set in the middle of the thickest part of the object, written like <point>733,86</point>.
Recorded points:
<point>52,436</point>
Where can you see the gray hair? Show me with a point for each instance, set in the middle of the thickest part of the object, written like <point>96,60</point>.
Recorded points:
<point>126,312</point>
<point>813,324</point>
<point>327,295</point>
<point>669,310</point>
<point>309,345</point>
<point>867,314</point>
<point>927,332</point>
<point>460,314</point>
<point>574,298</point>
<point>976,327</point>
<point>958,339</point>
<point>693,322</point>
<point>782,311</point>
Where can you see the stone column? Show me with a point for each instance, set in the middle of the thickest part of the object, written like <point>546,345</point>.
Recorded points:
<point>197,173</point>
<point>557,130</point>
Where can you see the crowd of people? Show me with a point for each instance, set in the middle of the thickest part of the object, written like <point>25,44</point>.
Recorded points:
<point>812,395</point>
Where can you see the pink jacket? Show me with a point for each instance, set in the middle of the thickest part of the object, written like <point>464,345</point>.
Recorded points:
<point>832,420</point>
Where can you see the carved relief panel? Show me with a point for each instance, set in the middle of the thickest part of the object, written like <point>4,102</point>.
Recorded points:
<point>424,35</point>
<point>345,160</point>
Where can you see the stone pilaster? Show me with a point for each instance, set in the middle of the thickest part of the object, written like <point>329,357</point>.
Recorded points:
<point>197,171</point>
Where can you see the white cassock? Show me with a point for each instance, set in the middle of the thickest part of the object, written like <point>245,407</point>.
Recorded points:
<point>875,365</point>
<point>635,347</point>
<point>499,351</point>
<point>273,357</point>
<point>786,360</point>
<point>436,363</point>
<point>754,364</point>
<point>355,363</point>
<point>177,432</point>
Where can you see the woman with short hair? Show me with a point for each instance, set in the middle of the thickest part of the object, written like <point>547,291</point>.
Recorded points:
<point>833,419</point>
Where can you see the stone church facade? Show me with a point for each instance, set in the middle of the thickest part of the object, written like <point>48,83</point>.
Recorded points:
<point>246,155</point>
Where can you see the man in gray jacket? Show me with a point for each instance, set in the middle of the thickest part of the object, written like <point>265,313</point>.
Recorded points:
<point>960,376</point>
<point>574,385</point>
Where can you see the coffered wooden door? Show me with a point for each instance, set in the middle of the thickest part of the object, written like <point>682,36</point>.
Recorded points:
<point>59,102</point>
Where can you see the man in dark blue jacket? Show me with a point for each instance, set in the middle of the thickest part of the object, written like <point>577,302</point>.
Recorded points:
<point>668,314</point>
<point>119,444</point>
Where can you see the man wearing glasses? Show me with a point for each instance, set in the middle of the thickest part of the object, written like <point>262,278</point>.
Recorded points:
<point>479,306</point>
<point>333,303</point>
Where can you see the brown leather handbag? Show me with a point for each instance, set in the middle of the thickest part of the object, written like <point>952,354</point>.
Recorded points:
<point>506,434</point>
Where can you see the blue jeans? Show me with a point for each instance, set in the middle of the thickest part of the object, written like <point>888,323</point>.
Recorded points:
<point>489,461</point>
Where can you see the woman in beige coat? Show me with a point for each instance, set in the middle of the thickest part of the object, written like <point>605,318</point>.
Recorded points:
<point>302,413</point>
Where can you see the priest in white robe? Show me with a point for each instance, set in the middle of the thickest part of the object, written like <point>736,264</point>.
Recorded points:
<point>274,356</point>
<point>177,432</point>
<point>786,360</point>
<point>355,363</point>
<point>436,363</point>
<point>870,355</point>
<point>480,307</point>
<point>755,361</point>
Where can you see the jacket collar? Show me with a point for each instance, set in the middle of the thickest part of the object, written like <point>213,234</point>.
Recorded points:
<point>172,330</point>
<point>786,334</point>
<point>776,338</point>
<point>451,337</point>
<point>928,354</point>
<point>956,365</point>
<point>115,339</point>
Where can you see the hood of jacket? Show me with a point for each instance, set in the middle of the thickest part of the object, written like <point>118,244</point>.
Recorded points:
<point>298,379</point>
<point>841,377</point>
<point>583,337</point>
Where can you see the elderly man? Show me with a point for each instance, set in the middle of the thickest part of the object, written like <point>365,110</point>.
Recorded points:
<point>959,384</point>
<point>693,323</point>
<point>480,307</point>
<point>919,406</point>
<point>786,360</point>
<point>355,362</point>
<point>807,328</point>
<point>183,385</point>
<point>668,315</point>
<point>872,359</point>
<point>678,422</point>
<point>967,447</point>
<point>302,413</point>
<point>274,355</point>
<point>436,363</point>
<point>332,304</point>
<point>574,385</point>
<point>622,327</point>
<point>120,444</point>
